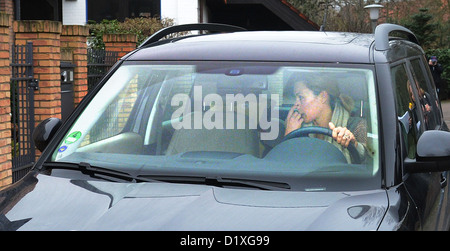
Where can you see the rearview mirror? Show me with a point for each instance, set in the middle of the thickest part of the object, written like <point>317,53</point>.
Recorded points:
<point>433,153</point>
<point>45,131</point>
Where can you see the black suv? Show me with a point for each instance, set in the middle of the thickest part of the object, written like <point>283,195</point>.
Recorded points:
<point>240,130</point>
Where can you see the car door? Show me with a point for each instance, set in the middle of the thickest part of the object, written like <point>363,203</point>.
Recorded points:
<point>434,121</point>
<point>424,188</point>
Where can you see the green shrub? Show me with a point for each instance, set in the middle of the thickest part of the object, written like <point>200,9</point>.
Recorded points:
<point>142,27</point>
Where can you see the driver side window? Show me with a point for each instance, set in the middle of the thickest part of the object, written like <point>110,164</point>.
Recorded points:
<point>407,110</point>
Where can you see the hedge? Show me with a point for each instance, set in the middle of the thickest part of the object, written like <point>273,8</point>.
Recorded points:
<point>142,27</point>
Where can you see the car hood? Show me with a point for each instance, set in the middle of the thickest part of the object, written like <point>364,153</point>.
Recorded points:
<point>42,202</point>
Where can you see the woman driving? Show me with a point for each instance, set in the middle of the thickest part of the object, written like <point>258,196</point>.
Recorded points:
<point>320,103</point>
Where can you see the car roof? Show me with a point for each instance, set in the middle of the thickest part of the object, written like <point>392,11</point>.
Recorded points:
<point>283,46</point>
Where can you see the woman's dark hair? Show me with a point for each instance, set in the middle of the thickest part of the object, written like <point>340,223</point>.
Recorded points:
<point>318,83</point>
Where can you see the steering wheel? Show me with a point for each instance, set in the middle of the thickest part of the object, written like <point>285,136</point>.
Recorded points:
<point>306,131</point>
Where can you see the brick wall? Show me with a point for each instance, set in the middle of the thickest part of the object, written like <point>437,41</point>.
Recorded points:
<point>52,42</point>
<point>7,6</point>
<point>122,43</point>
<point>73,42</point>
<point>5,109</point>
<point>45,36</point>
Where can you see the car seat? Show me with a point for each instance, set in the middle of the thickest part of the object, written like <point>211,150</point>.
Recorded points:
<point>234,139</point>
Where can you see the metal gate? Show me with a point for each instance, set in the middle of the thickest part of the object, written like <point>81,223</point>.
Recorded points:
<point>23,86</point>
<point>99,62</point>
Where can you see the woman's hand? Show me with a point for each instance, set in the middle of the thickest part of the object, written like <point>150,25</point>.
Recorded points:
<point>342,135</point>
<point>294,120</point>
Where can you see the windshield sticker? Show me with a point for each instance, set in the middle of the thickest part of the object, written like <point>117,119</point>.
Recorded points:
<point>62,149</point>
<point>73,137</point>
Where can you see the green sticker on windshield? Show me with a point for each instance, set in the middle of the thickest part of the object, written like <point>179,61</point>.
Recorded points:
<point>73,137</point>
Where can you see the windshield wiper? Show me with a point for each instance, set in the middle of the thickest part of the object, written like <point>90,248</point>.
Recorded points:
<point>102,173</point>
<point>94,172</point>
<point>220,182</point>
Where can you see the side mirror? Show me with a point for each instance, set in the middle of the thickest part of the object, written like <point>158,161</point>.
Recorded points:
<point>45,131</point>
<point>433,153</point>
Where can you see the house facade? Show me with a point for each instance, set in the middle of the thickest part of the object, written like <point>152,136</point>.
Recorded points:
<point>251,14</point>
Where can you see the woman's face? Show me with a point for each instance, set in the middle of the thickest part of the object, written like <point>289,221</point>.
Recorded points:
<point>307,102</point>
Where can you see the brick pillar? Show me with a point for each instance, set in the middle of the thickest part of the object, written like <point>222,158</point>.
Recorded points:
<point>45,36</point>
<point>122,43</point>
<point>7,6</point>
<point>74,46</point>
<point>5,103</point>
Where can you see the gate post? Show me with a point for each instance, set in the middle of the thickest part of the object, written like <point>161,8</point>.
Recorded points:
<point>5,103</point>
<point>45,36</point>
<point>74,50</point>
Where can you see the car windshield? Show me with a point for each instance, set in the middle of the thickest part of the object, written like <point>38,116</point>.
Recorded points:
<point>248,121</point>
